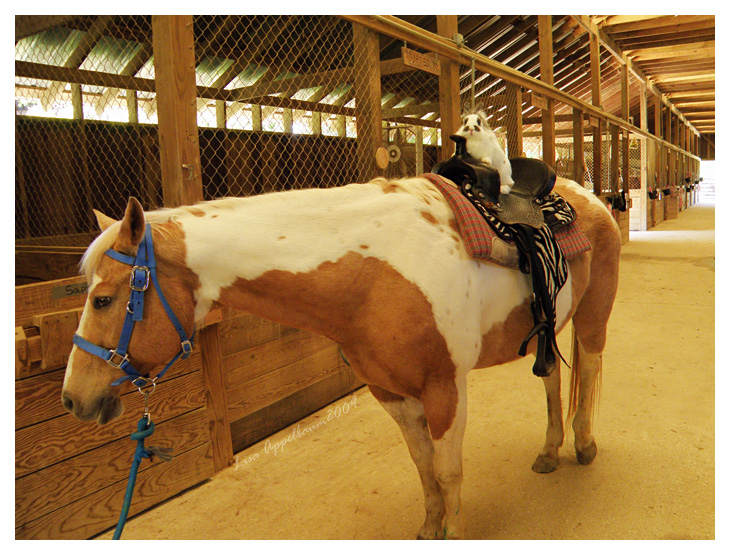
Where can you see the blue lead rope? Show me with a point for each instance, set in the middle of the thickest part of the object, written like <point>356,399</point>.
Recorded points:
<point>145,428</point>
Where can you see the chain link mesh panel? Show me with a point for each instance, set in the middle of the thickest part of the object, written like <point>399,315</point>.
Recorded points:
<point>84,146</point>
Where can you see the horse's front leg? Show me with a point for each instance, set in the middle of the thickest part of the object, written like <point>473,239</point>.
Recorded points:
<point>445,407</point>
<point>547,460</point>
<point>409,415</point>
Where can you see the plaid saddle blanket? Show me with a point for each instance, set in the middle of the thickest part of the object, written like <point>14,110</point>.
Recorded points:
<point>484,241</point>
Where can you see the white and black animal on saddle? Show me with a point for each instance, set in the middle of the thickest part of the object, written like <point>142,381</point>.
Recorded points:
<point>482,144</point>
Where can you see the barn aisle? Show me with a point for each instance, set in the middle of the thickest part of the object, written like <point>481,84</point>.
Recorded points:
<point>345,473</point>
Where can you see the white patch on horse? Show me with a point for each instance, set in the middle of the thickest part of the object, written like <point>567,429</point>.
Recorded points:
<point>82,326</point>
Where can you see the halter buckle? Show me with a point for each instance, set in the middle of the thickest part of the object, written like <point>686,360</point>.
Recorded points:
<point>113,363</point>
<point>187,348</point>
<point>132,278</point>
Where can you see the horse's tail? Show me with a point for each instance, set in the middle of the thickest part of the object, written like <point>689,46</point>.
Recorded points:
<point>575,381</point>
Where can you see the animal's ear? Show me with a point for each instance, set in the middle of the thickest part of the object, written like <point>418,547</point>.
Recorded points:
<point>104,221</point>
<point>132,229</point>
<point>479,107</point>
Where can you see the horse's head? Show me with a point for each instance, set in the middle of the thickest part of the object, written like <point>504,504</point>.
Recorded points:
<point>88,392</point>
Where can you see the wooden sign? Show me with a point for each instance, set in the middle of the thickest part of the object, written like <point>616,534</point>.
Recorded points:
<point>420,61</point>
<point>593,120</point>
<point>538,101</point>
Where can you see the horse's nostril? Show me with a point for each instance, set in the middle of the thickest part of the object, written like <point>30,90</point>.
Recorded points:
<point>68,403</point>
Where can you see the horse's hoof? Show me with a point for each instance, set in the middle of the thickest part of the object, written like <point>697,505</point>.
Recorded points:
<point>586,455</point>
<point>545,464</point>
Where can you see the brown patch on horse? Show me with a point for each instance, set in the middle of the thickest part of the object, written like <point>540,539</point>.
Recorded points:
<point>395,346</point>
<point>197,212</point>
<point>429,217</point>
<point>364,247</point>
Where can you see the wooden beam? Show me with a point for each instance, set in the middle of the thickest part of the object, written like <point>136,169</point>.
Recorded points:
<point>450,105</point>
<point>545,41</point>
<point>366,55</point>
<point>666,21</point>
<point>174,54</point>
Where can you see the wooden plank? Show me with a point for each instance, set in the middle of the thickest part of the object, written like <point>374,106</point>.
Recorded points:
<point>246,331</point>
<point>50,296</point>
<point>56,330</point>
<point>449,101</point>
<point>46,266</point>
<point>256,426</point>
<point>366,58</point>
<point>251,363</point>
<point>58,439</point>
<point>280,383</point>
<point>100,511</point>
<point>174,57</point>
<point>22,353</point>
<point>53,487</point>
<point>215,394</point>
<point>38,398</point>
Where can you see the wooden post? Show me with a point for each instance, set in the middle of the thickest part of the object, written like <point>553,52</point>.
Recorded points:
<point>595,60</point>
<point>578,151</point>
<point>367,99</point>
<point>513,96</point>
<point>545,40</point>
<point>215,393</point>
<point>644,162</point>
<point>625,114</point>
<point>132,106</point>
<point>449,101</point>
<point>613,129</point>
<point>174,58</point>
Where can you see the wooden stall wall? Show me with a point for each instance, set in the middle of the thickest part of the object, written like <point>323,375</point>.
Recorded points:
<point>70,476</point>
<point>247,378</point>
<point>274,375</point>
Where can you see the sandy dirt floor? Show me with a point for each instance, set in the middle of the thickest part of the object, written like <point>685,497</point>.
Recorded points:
<point>346,473</point>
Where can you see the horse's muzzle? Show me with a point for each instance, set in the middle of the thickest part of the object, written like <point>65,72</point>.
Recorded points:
<point>103,410</point>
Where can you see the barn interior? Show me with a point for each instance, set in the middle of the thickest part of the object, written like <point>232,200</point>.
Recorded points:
<point>174,110</point>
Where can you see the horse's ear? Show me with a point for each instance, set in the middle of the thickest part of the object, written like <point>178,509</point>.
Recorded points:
<point>132,229</point>
<point>103,220</point>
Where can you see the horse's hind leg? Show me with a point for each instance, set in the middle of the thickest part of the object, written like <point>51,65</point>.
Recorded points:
<point>583,399</point>
<point>547,460</point>
<point>411,419</point>
<point>444,403</point>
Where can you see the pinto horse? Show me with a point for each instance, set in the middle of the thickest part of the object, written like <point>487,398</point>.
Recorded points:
<point>381,269</point>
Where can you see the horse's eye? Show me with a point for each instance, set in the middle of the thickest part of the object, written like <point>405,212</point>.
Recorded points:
<point>101,302</point>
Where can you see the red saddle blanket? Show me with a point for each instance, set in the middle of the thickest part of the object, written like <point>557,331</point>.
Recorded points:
<point>482,242</point>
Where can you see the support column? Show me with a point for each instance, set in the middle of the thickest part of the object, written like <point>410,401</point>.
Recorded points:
<point>595,59</point>
<point>545,40</point>
<point>449,102</point>
<point>174,58</point>
<point>578,150</point>
<point>368,112</point>
<point>625,114</point>
<point>513,96</point>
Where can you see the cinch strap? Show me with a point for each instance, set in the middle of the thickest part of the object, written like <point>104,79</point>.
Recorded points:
<point>144,270</point>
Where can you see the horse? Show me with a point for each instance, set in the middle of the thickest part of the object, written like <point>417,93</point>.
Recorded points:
<point>380,268</point>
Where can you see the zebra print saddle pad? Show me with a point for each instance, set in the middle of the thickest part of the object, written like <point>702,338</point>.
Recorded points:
<point>542,253</point>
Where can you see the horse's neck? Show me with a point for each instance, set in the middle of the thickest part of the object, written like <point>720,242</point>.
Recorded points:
<point>283,256</point>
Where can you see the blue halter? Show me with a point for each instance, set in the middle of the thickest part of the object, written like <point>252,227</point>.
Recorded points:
<point>144,270</point>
